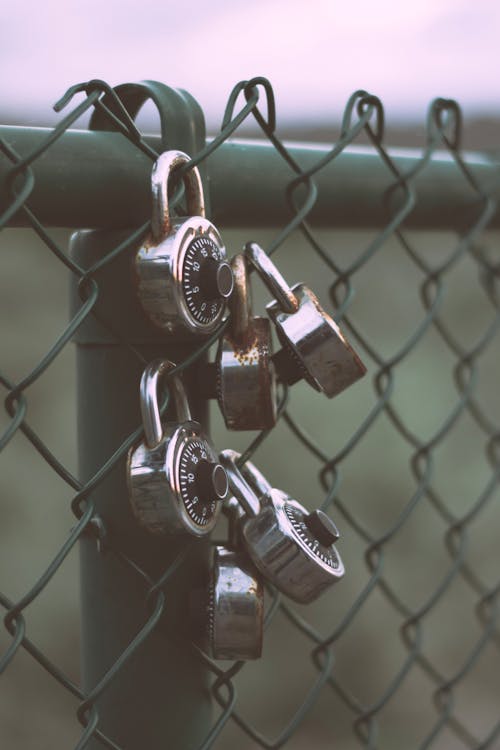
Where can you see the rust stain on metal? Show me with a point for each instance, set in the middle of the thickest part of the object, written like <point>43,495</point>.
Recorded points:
<point>246,352</point>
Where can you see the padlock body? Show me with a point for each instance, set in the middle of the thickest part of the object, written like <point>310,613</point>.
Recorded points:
<point>317,344</point>
<point>167,274</point>
<point>246,379</point>
<point>277,541</point>
<point>236,607</point>
<point>158,483</point>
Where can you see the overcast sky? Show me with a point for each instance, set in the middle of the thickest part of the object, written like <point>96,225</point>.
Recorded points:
<point>315,52</point>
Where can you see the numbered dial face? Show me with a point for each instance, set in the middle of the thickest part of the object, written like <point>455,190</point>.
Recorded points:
<point>316,531</point>
<point>202,482</point>
<point>206,280</point>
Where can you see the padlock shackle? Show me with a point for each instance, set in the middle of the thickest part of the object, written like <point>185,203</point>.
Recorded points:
<point>238,485</point>
<point>233,512</point>
<point>240,301</point>
<point>272,278</point>
<point>166,163</point>
<point>151,380</point>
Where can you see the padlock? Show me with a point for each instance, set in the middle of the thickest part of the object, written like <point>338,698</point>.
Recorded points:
<point>182,274</point>
<point>229,614</point>
<point>292,547</point>
<point>235,607</point>
<point>314,347</point>
<point>175,481</point>
<point>246,378</point>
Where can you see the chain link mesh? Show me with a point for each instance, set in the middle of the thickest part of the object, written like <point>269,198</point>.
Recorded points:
<point>426,533</point>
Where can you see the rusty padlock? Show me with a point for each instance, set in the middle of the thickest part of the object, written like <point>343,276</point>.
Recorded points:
<point>246,378</point>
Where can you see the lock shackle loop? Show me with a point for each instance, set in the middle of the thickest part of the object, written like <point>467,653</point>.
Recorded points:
<point>242,490</point>
<point>240,301</point>
<point>272,278</point>
<point>167,162</point>
<point>233,512</point>
<point>151,380</point>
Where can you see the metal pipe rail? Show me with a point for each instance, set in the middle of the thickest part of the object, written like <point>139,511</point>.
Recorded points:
<point>100,180</point>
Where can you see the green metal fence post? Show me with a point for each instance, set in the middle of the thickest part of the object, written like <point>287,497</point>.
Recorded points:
<point>160,698</point>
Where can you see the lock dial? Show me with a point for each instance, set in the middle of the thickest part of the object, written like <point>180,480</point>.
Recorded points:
<point>207,280</point>
<point>202,482</point>
<point>316,531</point>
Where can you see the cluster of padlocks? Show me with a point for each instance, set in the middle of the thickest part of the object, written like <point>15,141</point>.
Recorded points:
<point>177,481</point>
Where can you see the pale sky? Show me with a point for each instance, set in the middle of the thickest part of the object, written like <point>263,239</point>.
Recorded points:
<point>315,53</point>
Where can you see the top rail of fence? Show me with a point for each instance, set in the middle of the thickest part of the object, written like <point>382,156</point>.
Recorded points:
<point>99,179</point>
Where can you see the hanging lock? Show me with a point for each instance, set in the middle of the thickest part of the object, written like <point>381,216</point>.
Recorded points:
<point>228,614</point>
<point>183,276</point>
<point>292,547</point>
<point>245,377</point>
<point>174,478</point>
<point>314,347</point>
<point>235,607</point>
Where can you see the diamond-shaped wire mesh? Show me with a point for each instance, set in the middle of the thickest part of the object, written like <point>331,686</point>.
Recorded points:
<point>404,653</point>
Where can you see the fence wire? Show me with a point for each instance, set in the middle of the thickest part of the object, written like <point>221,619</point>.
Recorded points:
<point>331,691</point>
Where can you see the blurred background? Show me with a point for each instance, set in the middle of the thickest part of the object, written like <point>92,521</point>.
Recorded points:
<point>315,55</point>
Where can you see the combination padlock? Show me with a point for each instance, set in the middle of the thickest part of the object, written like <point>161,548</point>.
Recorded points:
<point>314,347</point>
<point>229,615</point>
<point>245,377</point>
<point>292,547</point>
<point>183,277</point>
<point>175,481</point>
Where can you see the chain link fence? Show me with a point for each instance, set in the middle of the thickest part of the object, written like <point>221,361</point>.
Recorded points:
<point>405,651</point>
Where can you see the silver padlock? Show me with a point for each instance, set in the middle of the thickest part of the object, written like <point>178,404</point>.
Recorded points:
<point>314,346</point>
<point>292,547</point>
<point>183,277</point>
<point>229,615</point>
<point>175,480</point>
<point>246,378</point>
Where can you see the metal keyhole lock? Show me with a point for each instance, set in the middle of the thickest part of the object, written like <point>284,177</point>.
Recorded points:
<point>314,347</point>
<point>246,378</point>
<point>175,480</point>
<point>183,277</point>
<point>292,547</point>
